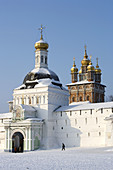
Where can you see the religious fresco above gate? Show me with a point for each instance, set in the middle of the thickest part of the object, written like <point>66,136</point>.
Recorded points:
<point>17,113</point>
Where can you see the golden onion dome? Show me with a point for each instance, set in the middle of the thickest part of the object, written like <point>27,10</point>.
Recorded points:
<point>85,60</point>
<point>74,69</point>
<point>90,67</point>
<point>41,44</point>
<point>97,70</point>
<point>80,71</point>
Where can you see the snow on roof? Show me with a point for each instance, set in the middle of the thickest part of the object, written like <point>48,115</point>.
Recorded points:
<point>28,108</point>
<point>5,115</point>
<point>35,119</point>
<point>83,82</point>
<point>80,82</point>
<point>22,86</point>
<point>85,106</point>
<point>43,70</point>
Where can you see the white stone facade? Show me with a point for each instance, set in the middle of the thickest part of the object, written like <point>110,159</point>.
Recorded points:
<point>84,125</point>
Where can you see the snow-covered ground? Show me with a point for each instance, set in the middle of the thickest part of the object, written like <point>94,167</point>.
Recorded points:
<point>70,159</point>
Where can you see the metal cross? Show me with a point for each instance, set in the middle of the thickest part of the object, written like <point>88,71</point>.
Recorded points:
<point>85,47</point>
<point>41,29</point>
<point>97,60</point>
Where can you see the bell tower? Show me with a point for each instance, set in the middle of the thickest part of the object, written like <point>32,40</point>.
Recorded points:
<point>41,53</point>
<point>89,87</point>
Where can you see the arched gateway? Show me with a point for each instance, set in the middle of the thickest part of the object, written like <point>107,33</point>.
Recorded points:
<point>17,142</point>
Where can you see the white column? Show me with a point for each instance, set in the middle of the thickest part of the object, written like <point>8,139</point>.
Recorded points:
<point>26,138</point>
<point>8,138</point>
<point>34,100</point>
<point>30,138</point>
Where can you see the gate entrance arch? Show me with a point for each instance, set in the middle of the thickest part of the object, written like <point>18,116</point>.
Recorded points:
<point>17,142</point>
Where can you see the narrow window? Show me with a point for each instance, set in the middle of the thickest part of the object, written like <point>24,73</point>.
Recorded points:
<point>70,113</point>
<point>85,120</point>
<point>44,99</point>
<point>66,122</point>
<point>80,98</point>
<point>87,98</point>
<point>56,121</point>
<point>29,100</point>
<point>96,120</point>
<point>75,121</point>
<point>99,133</point>
<point>80,112</point>
<point>61,114</point>
<point>101,110</point>
<point>45,59</point>
<point>67,135</point>
<point>91,111</point>
<point>112,110</point>
<point>37,100</point>
<point>88,134</point>
<point>32,100</point>
<point>73,99</point>
<point>53,128</point>
<point>42,59</point>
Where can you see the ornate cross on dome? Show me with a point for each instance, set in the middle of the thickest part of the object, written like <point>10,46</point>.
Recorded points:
<point>41,29</point>
<point>85,47</point>
<point>85,50</point>
<point>97,60</point>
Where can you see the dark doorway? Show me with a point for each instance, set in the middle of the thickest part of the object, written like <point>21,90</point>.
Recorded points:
<point>17,142</point>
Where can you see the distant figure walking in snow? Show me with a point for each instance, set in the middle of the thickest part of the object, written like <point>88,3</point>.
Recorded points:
<point>63,146</point>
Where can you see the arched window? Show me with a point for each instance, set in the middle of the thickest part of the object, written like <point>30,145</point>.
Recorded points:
<point>87,98</point>
<point>73,99</point>
<point>45,59</point>
<point>42,59</point>
<point>80,98</point>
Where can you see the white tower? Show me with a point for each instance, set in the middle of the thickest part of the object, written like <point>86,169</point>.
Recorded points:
<point>41,58</point>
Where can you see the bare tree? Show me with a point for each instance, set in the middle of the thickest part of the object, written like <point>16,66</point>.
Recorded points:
<point>111,98</point>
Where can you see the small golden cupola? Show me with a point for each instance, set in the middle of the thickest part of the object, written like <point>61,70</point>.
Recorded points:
<point>91,71</point>
<point>74,69</point>
<point>41,44</point>
<point>97,73</point>
<point>74,72</point>
<point>97,70</point>
<point>90,67</point>
<point>85,61</point>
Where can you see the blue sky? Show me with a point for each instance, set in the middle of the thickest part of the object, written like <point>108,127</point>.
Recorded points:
<point>69,26</point>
